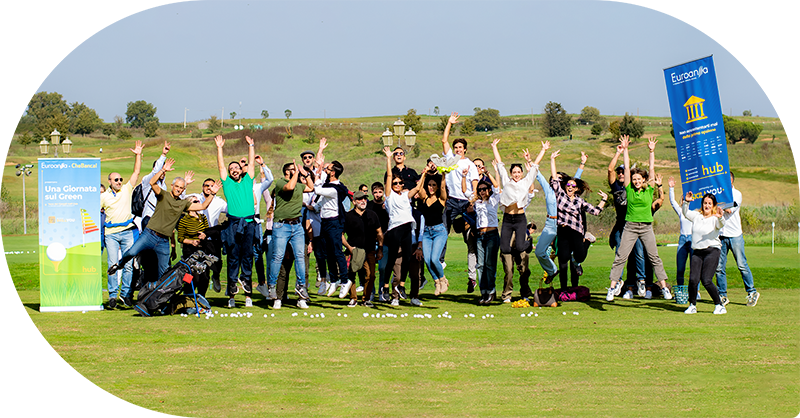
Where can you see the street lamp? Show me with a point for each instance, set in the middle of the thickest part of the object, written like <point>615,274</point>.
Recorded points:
<point>55,136</point>
<point>409,137</point>
<point>24,171</point>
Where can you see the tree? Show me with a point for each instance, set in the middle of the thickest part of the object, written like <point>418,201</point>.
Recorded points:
<point>736,130</point>
<point>109,129</point>
<point>630,126</point>
<point>597,129</point>
<point>83,119</point>
<point>151,128</point>
<point>412,120</point>
<point>213,123</point>
<point>48,111</point>
<point>233,115</point>
<point>589,115</point>
<point>486,119</point>
<point>476,109</point>
<point>614,128</point>
<point>440,127</point>
<point>288,113</point>
<point>747,113</point>
<point>556,121</point>
<point>26,139</point>
<point>118,122</point>
<point>468,127</point>
<point>138,113</point>
<point>124,133</point>
<point>436,110</point>
<point>264,114</point>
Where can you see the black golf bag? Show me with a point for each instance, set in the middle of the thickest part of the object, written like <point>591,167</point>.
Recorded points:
<point>154,297</point>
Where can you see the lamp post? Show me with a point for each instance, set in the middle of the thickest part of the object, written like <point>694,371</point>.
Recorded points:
<point>24,171</point>
<point>409,136</point>
<point>66,145</point>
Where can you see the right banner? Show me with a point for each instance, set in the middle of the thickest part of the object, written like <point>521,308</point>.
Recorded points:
<point>699,131</point>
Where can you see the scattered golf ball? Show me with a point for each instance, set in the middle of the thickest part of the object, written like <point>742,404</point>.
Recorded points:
<point>83,311</point>
<point>272,315</point>
<point>466,316</point>
<point>339,314</point>
<point>522,315</point>
<point>439,316</point>
<point>365,314</point>
<point>265,315</point>
<point>345,315</point>
<point>576,313</point>
<point>472,315</point>
<point>563,313</point>
<point>536,314</point>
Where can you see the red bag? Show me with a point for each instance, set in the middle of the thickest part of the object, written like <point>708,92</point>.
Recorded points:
<point>574,294</point>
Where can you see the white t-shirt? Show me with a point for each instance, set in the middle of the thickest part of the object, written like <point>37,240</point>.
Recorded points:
<point>733,221</point>
<point>486,211</point>
<point>453,178</point>
<point>399,209</point>
<point>705,231</point>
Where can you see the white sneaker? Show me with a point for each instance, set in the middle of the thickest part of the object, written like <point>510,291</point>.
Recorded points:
<point>248,303</point>
<point>641,288</point>
<point>395,302</point>
<point>262,288</point>
<point>691,310</point>
<point>345,289</point>
<point>353,303</point>
<point>610,295</point>
<point>273,294</point>
<point>618,289</point>
<point>444,265</point>
<point>276,304</point>
<point>331,289</point>
<point>628,295</point>
<point>648,294</point>
<point>323,287</point>
<point>416,302</point>
<point>231,303</point>
<point>719,310</point>
<point>506,300</point>
<point>752,298</point>
<point>359,289</point>
<point>301,303</point>
<point>666,293</point>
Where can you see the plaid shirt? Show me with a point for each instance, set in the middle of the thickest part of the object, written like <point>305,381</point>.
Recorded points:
<point>570,210</point>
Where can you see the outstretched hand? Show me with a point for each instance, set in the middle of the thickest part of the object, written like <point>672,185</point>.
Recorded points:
<point>602,194</point>
<point>495,141</point>
<point>554,154</point>
<point>584,158</point>
<point>215,188</point>
<point>689,197</point>
<point>219,140</point>
<point>651,143</point>
<point>168,164</point>
<point>323,143</point>
<point>671,182</point>
<point>453,118</point>
<point>259,160</point>
<point>625,141</point>
<point>188,177</point>
<point>387,151</point>
<point>718,213</point>
<point>165,149</point>
<point>137,149</point>
<point>249,140</point>
<point>526,155</point>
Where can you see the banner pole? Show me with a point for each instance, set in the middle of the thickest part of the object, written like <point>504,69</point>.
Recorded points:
<point>773,238</point>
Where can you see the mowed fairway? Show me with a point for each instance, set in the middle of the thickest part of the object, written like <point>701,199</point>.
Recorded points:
<point>625,358</point>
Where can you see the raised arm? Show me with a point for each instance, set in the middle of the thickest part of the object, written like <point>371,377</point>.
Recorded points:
<point>290,185</point>
<point>443,190</point>
<point>493,179</point>
<point>540,156</point>
<point>220,142</point>
<point>584,158</point>
<point>137,165</point>
<point>251,156</point>
<point>266,173</point>
<point>672,201</point>
<point>202,206</point>
<point>420,187</point>
<point>388,186</point>
<point>657,202</point>
<point>651,144</point>
<point>464,181</point>
<point>553,171</point>
<point>154,180</point>
<point>495,151</point>
<point>626,159</point>
<point>612,167</point>
<point>323,143</point>
<point>446,135</point>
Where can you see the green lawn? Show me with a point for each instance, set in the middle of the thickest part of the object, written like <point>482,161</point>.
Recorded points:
<point>626,358</point>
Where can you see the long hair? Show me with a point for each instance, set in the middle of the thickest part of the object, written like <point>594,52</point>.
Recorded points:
<point>583,186</point>
<point>487,184</point>
<point>713,202</point>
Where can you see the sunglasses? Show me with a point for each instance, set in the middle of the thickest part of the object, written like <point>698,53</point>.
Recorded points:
<point>399,153</point>
<point>572,185</point>
<point>308,157</point>
<point>483,189</point>
<point>396,182</point>
<point>361,198</point>
<point>119,179</point>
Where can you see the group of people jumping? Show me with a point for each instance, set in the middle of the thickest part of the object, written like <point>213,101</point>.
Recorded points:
<point>403,229</point>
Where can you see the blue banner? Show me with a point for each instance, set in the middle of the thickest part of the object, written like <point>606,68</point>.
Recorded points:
<point>699,131</point>
<point>69,235</point>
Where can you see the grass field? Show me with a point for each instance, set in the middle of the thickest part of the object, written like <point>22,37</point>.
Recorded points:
<point>626,358</point>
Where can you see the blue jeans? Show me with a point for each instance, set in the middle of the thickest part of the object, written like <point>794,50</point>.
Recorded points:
<point>684,253</point>
<point>120,241</point>
<point>736,245</point>
<point>433,240</point>
<point>148,240</point>
<point>294,234</point>
<point>488,247</point>
<point>382,269</point>
<point>637,254</point>
<point>543,244</point>
<point>331,234</point>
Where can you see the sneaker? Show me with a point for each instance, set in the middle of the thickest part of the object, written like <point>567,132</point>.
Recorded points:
<point>216,284</point>
<point>331,289</point>
<point>691,310</point>
<point>648,294</point>
<point>578,269</point>
<point>395,302</point>
<point>301,303</point>
<point>323,288</point>
<point>231,303</point>
<point>383,295</point>
<point>492,296</point>
<point>507,300</point>
<point>301,292</point>
<point>424,282</point>
<point>482,300</point>
<point>416,302</point>
<point>319,280</point>
<point>248,303</point>
<point>610,295</point>
<point>665,292</point>
<point>353,303</point>
<point>437,287</point>
<point>401,290</point>
<point>359,289</point>
<point>276,304</point>
<point>246,287</point>
<point>752,298</point>
<point>640,288</point>
<point>720,310</point>
<point>273,294</point>
<point>112,304</point>
<point>628,294</point>
<point>471,286</point>
<point>368,304</point>
<point>618,289</point>
<point>589,237</point>
<point>113,269</point>
<point>345,289</point>
<point>724,300</point>
<point>262,288</point>
<point>127,303</point>
<point>444,265</point>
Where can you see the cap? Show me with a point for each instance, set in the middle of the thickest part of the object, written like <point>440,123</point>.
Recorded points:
<point>307,152</point>
<point>359,195</point>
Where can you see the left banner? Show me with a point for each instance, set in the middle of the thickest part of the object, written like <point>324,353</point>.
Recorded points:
<point>69,235</point>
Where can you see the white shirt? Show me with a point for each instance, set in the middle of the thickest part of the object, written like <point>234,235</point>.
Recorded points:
<point>399,208</point>
<point>312,215</point>
<point>329,200</point>
<point>705,231</point>
<point>686,225</point>
<point>486,211</point>
<point>733,221</point>
<point>515,191</point>
<point>150,204</point>
<point>453,178</point>
<point>217,207</point>
<point>260,188</point>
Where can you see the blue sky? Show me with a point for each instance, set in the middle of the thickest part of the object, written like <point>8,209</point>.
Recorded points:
<point>351,59</point>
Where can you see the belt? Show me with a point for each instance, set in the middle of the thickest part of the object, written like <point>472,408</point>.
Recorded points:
<point>159,234</point>
<point>552,217</point>
<point>290,221</point>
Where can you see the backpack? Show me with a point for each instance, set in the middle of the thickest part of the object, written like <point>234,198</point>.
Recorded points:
<point>574,294</point>
<point>138,201</point>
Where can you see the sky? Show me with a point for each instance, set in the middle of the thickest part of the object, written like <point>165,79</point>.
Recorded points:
<point>353,59</point>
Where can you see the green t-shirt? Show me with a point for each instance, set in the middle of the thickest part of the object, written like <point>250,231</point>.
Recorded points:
<point>639,204</point>
<point>239,195</point>
<point>168,211</point>
<point>289,204</point>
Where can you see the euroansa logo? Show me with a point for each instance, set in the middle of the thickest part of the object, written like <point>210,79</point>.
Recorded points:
<point>678,78</point>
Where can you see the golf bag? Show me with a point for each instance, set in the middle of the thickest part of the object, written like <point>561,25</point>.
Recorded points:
<point>154,297</point>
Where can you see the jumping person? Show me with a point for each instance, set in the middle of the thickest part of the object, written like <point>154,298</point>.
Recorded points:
<point>685,240</point>
<point>433,198</point>
<point>706,224</point>
<point>485,203</point>
<point>638,221</point>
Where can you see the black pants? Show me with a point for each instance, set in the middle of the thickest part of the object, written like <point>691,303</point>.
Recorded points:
<point>398,240</point>
<point>571,245</point>
<point>704,268</point>
<point>514,226</point>
<point>201,280</point>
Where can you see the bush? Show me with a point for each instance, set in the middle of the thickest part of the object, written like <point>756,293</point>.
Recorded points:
<point>486,119</point>
<point>196,133</point>
<point>630,126</point>
<point>556,121</point>
<point>468,127</point>
<point>150,128</point>
<point>597,129</point>
<point>124,134</point>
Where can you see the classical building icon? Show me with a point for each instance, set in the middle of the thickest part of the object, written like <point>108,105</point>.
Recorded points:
<point>694,109</point>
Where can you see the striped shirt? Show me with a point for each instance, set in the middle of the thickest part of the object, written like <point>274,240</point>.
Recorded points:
<point>190,227</point>
<point>570,210</point>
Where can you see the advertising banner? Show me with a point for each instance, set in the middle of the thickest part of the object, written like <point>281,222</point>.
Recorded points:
<point>699,132</point>
<point>70,266</point>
